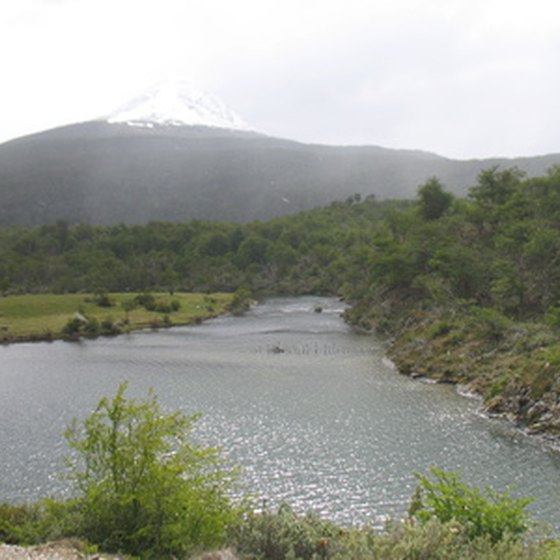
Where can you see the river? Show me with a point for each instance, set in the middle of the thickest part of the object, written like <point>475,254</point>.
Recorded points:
<point>310,409</point>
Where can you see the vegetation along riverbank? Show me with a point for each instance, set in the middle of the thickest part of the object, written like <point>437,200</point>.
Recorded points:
<point>467,289</point>
<point>72,316</point>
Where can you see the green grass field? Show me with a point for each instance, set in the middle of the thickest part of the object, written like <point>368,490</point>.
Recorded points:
<point>30,317</point>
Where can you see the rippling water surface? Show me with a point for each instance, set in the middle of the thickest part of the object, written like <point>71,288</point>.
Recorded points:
<point>309,408</point>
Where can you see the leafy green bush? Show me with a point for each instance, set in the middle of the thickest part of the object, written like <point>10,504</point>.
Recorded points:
<point>166,307</point>
<point>493,515</point>
<point>241,301</point>
<point>150,303</point>
<point>102,300</point>
<point>146,300</point>
<point>284,534</point>
<point>15,521</point>
<point>73,327</point>
<point>142,486</point>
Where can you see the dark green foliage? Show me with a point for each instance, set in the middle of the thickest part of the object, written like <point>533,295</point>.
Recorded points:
<point>241,300</point>
<point>287,255</point>
<point>492,515</point>
<point>15,522</point>
<point>496,187</point>
<point>434,201</point>
<point>166,307</point>
<point>73,327</point>
<point>103,300</point>
<point>148,301</point>
<point>89,326</point>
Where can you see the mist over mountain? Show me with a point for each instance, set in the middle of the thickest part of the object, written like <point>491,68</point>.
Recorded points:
<point>178,154</point>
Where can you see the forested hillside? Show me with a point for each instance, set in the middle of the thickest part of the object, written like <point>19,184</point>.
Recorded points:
<point>101,173</point>
<point>468,288</point>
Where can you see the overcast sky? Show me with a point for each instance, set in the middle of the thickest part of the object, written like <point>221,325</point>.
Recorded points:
<point>462,78</point>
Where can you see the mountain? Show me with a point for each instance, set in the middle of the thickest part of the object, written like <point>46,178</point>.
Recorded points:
<point>177,104</point>
<point>178,154</point>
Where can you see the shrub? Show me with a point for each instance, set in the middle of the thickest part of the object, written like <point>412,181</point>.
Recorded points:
<point>72,327</point>
<point>490,323</point>
<point>165,307</point>
<point>102,300</point>
<point>142,486</point>
<point>280,535</point>
<point>15,522</point>
<point>432,540</point>
<point>241,301</point>
<point>91,328</point>
<point>493,515</point>
<point>109,328</point>
<point>145,300</point>
<point>150,303</point>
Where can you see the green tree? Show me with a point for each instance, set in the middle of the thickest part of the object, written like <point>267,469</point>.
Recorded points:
<point>434,201</point>
<point>496,187</point>
<point>143,488</point>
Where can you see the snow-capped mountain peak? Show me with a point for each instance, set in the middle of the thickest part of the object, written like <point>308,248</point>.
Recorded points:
<point>178,104</point>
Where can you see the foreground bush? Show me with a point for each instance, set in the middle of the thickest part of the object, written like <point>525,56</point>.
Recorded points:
<point>15,523</point>
<point>142,486</point>
<point>284,535</point>
<point>492,515</point>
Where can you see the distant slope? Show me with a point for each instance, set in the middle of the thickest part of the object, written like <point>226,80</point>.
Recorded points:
<point>104,173</point>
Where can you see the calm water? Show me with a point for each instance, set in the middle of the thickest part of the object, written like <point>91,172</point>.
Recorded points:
<point>326,424</point>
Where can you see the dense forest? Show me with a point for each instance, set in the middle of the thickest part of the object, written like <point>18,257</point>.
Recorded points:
<point>298,254</point>
<point>468,289</point>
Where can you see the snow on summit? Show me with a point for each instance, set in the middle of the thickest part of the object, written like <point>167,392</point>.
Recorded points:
<point>178,104</point>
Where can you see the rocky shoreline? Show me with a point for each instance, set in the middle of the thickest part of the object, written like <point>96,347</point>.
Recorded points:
<point>514,371</point>
<point>535,416</point>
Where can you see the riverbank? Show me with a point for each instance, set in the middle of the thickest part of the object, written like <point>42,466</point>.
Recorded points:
<point>513,366</point>
<point>45,317</point>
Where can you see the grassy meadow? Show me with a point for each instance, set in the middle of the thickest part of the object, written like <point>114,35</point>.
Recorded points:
<point>45,316</point>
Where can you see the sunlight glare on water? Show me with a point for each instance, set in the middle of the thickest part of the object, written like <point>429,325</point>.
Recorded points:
<point>310,409</point>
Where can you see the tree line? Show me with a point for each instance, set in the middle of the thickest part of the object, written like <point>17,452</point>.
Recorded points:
<point>498,248</point>
<point>286,255</point>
